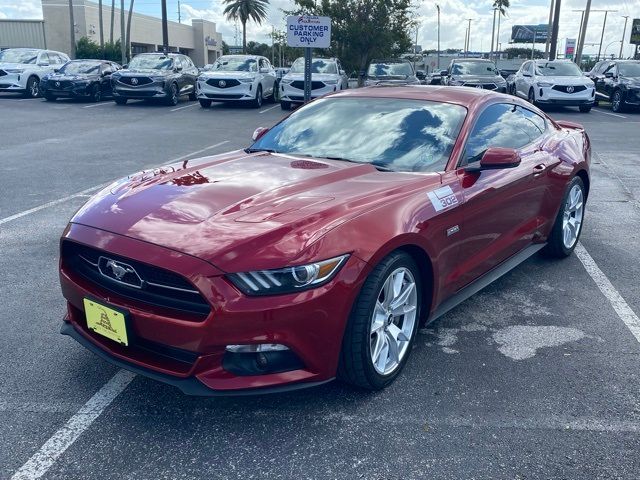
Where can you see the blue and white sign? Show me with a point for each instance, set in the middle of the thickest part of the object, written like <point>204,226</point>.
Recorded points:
<point>309,31</point>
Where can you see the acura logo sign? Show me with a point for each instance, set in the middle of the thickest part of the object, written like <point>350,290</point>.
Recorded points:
<point>222,83</point>
<point>479,86</point>
<point>134,81</point>
<point>569,89</point>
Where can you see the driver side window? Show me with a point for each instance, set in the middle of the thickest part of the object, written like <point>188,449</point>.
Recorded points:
<point>499,125</point>
<point>44,58</point>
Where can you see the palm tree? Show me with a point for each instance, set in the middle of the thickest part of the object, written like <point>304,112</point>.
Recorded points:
<point>129,30</point>
<point>72,30</point>
<point>245,10</point>
<point>113,9</point>
<point>502,6</point>
<point>101,32</point>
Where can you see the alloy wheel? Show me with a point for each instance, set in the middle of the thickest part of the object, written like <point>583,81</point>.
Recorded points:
<point>393,321</point>
<point>617,101</point>
<point>35,88</point>
<point>572,216</point>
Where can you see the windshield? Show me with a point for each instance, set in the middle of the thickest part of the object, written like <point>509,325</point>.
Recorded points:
<point>318,65</point>
<point>235,64</point>
<point>19,56</point>
<point>473,68</point>
<point>398,134</point>
<point>564,69</point>
<point>75,68</point>
<point>629,69</point>
<point>151,62</point>
<point>402,69</point>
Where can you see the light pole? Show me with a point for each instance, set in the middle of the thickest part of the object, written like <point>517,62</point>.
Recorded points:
<point>626,17</point>
<point>605,48</point>
<point>469,35</point>
<point>438,54</point>
<point>583,32</point>
<point>549,27</point>
<point>604,25</point>
<point>493,32</point>
<point>553,45</point>
<point>165,28</point>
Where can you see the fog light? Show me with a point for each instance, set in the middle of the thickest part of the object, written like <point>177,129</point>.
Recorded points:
<point>541,92</point>
<point>261,347</point>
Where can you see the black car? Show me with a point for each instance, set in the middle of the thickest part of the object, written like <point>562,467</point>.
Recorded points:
<point>156,76</point>
<point>618,82</point>
<point>79,78</point>
<point>474,72</point>
<point>390,72</point>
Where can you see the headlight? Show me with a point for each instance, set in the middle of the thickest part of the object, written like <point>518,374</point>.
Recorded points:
<point>331,82</point>
<point>286,80</point>
<point>287,280</point>
<point>544,84</point>
<point>14,70</point>
<point>202,79</point>
<point>247,80</point>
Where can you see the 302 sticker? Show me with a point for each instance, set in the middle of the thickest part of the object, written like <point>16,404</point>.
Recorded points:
<point>443,198</point>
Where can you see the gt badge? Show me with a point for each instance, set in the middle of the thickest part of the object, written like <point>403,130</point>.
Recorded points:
<point>443,198</point>
<point>453,230</point>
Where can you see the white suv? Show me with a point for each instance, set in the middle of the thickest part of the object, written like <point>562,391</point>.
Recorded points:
<point>556,82</point>
<point>237,78</point>
<point>22,68</point>
<point>327,76</point>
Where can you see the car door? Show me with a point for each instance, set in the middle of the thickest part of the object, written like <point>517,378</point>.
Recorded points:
<point>267,77</point>
<point>192,72</point>
<point>523,82</point>
<point>106,69</point>
<point>610,80</point>
<point>502,208</point>
<point>601,81</point>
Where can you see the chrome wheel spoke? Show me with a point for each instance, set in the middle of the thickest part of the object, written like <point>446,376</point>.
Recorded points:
<point>402,298</point>
<point>572,217</point>
<point>394,351</point>
<point>397,334</point>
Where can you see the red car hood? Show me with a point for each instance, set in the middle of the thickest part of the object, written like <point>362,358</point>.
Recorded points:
<point>243,211</point>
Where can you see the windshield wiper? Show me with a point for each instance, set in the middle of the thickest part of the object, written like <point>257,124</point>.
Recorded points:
<point>255,150</point>
<point>382,168</point>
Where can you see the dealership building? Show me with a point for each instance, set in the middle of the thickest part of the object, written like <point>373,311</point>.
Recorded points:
<point>200,40</point>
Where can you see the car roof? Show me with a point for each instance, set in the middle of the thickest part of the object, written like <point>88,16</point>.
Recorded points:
<point>465,59</point>
<point>463,96</point>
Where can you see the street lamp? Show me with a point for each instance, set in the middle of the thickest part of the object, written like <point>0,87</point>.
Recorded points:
<point>438,54</point>
<point>605,48</point>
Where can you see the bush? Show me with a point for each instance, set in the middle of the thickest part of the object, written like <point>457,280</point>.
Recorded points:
<point>87,48</point>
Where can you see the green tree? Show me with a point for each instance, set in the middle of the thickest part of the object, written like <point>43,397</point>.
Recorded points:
<point>225,48</point>
<point>87,48</point>
<point>245,10</point>
<point>362,30</point>
<point>522,52</point>
<point>502,6</point>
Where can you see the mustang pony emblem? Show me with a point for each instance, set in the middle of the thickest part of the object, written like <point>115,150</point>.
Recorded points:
<point>118,269</point>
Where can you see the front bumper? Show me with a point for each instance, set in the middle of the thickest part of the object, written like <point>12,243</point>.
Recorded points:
<point>71,91</point>
<point>550,96</point>
<point>296,95</point>
<point>13,82</point>
<point>190,353</point>
<point>244,92</point>
<point>632,97</point>
<point>156,89</point>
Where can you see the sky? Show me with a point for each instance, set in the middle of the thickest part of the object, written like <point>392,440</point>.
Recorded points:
<point>453,20</point>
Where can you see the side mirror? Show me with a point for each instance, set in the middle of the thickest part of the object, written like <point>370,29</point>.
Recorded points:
<point>342,72</point>
<point>125,66</point>
<point>258,133</point>
<point>177,69</point>
<point>444,73</point>
<point>264,70</point>
<point>56,70</point>
<point>608,75</point>
<point>420,75</point>
<point>496,158</point>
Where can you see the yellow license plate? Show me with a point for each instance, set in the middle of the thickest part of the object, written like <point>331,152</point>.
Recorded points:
<point>106,321</point>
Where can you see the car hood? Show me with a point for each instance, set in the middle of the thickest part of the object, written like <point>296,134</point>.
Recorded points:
<point>565,80</point>
<point>631,81</point>
<point>147,71</point>
<point>478,78</point>
<point>16,65</point>
<point>242,211</point>
<point>63,76</point>
<point>228,74</point>
<point>314,76</point>
<point>392,80</point>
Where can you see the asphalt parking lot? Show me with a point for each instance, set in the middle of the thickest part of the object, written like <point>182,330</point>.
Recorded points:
<point>535,377</point>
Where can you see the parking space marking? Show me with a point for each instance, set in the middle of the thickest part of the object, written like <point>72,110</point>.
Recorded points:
<point>97,187</point>
<point>186,106</point>
<point>101,104</point>
<point>607,113</point>
<point>270,108</point>
<point>44,458</point>
<point>618,303</point>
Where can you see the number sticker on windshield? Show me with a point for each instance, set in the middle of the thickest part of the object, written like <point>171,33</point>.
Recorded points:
<point>443,198</point>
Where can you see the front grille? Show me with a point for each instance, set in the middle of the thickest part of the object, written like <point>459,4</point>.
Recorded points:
<point>59,84</point>
<point>299,84</point>
<point>3,73</point>
<point>485,86</point>
<point>234,96</point>
<point>563,88</point>
<point>135,81</point>
<point>223,82</point>
<point>141,282</point>
<point>126,93</point>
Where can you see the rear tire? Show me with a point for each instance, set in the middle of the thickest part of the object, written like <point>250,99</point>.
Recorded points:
<point>531,97</point>
<point>285,105</point>
<point>50,98</point>
<point>557,244</point>
<point>33,87</point>
<point>617,102</point>
<point>370,320</point>
<point>585,108</point>
<point>120,101</point>
<point>96,94</point>
<point>193,96</point>
<point>205,103</point>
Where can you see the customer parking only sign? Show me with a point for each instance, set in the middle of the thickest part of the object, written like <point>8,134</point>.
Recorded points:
<point>308,31</point>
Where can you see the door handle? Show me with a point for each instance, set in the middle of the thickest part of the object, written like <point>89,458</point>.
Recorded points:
<point>539,169</point>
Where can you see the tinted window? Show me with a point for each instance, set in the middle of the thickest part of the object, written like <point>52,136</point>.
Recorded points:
<point>318,65</point>
<point>18,55</point>
<point>404,135</point>
<point>563,69</point>
<point>537,124</point>
<point>390,69</point>
<point>629,69</point>
<point>473,68</point>
<point>151,62</point>
<point>500,125</point>
<point>44,58</point>
<point>80,67</point>
<point>602,67</point>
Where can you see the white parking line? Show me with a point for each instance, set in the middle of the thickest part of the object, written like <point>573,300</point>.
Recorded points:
<point>608,113</point>
<point>270,108</point>
<point>44,458</point>
<point>97,187</point>
<point>101,104</point>
<point>618,303</point>
<point>182,108</point>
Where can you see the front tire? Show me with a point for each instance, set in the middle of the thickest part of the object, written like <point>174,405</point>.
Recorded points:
<point>531,97</point>
<point>120,100</point>
<point>193,96</point>
<point>383,324</point>
<point>205,103</point>
<point>585,108</point>
<point>172,95</point>
<point>50,98</point>
<point>285,105</point>
<point>257,102</point>
<point>568,225</point>
<point>96,94</point>
<point>617,102</point>
<point>33,87</point>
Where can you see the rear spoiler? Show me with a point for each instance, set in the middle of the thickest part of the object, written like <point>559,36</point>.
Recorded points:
<point>569,125</point>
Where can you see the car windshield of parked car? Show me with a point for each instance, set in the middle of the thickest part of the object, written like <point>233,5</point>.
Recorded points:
<point>398,69</point>
<point>235,64</point>
<point>394,134</point>
<point>558,69</point>
<point>151,62</point>
<point>318,65</point>
<point>629,69</point>
<point>19,56</point>
<point>76,68</point>
<point>473,68</point>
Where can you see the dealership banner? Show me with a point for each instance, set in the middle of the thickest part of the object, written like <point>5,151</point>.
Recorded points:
<point>525,33</point>
<point>635,32</point>
<point>569,48</point>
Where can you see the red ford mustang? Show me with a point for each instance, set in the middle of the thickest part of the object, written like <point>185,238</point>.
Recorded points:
<point>317,252</point>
